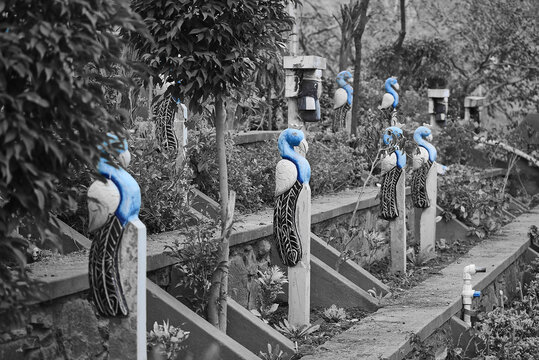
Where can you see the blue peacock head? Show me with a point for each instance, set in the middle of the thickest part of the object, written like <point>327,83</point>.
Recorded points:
<point>422,135</point>
<point>391,84</point>
<point>129,205</point>
<point>288,139</point>
<point>393,136</point>
<point>343,78</point>
<point>121,149</point>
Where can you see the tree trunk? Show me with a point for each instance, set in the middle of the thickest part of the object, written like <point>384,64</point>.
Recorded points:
<point>359,28</point>
<point>217,304</point>
<point>220,129</point>
<point>402,33</point>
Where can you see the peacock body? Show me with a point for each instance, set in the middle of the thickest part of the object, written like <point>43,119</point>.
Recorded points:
<point>291,179</point>
<point>164,111</point>
<point>423,161</point>
<point>111,204</point>
<point>392,170</point>
<point>390,101</point>
<point>342,100</point>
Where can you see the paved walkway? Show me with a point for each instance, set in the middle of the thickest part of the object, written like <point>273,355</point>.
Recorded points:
<point>422,309</point>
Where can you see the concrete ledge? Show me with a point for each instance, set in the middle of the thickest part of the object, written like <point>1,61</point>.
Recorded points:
<point>205,341</point>
<point>451,230</point>
<point>255,136</point>
<point>424,308</point>
<point>349,269</point>
<point>328,287</point>
<point>204,204</point>
<point>252,332</point>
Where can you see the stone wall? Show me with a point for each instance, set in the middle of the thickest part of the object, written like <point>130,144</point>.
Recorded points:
<point>67,328</point>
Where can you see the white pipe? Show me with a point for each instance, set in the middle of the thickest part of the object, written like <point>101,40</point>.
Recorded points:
<point>467,292</point>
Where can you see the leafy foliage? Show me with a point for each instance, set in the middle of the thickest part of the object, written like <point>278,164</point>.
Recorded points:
<point>335,163</point>
<point>270,284</point>
<point>213,46</point>
<point>455,143</point>
<point>334,314</point>
<point>166,340</point>
<point>197,259</point>
<point>54,58</point>
<point>164,188</point>
<point>511,333</point>
<point>418,63</point>
<point>476,200</point>
<point>273,353</point>
<point>295,333</point>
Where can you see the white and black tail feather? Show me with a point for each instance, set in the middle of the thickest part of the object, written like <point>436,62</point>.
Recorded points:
<point>105,287</point>
<point>388,194</point>
<point>420,197</point>
<point>285,227</point>
<point>164,111</point>
<point>339,117</point>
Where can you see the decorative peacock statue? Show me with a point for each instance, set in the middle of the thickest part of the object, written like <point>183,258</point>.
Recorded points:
<point>422,163</point>
<point>292,177</point>
<point>111,205</point>
<point>342,99</point>
<point>390,100</point>
<point>392,166</point>
<point>163,112</point>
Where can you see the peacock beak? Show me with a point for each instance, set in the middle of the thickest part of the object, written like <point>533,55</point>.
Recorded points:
<point>350,80</point>
<point>125,158</point>
<point>303,148</point>
<point>429,138</point>
<point>396,86</point>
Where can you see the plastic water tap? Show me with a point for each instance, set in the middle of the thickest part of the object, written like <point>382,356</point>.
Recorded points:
<point>467,292</point>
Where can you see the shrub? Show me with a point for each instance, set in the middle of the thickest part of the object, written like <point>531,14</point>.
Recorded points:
<point>271,284</point>
<point>166,340</point>
<point>335,314</point>
<point>512,333</point>
<point>455,143</point>
<point>164,189</point>
<point>55,57</point>
<point>335,165</point>
<point>419,63</point>
<point>473,199</point>
<point>197,259</point>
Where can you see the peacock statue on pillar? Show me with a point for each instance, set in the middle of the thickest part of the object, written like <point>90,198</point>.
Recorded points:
<point>390,101</point>
<point>422,163</point>
<point>164,110</point>
<point>111,205</point>
<point>292,176</point>
<point>342,99</point>
<point>392,168</point>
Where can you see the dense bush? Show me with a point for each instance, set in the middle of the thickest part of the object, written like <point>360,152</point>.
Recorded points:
<point>335,166</point>
<point>473,199</point>
<point>418,64</point>
<point>164,188</point>
<point>54,59</point>
<point>512,333</point>
<point>455,143</point>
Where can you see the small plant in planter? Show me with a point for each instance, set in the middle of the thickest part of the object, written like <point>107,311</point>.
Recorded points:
<point>165,341</point>
<point>271,284</point>
<point>335,314</point>
<point>295,333</point>
<point>273,353</point>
